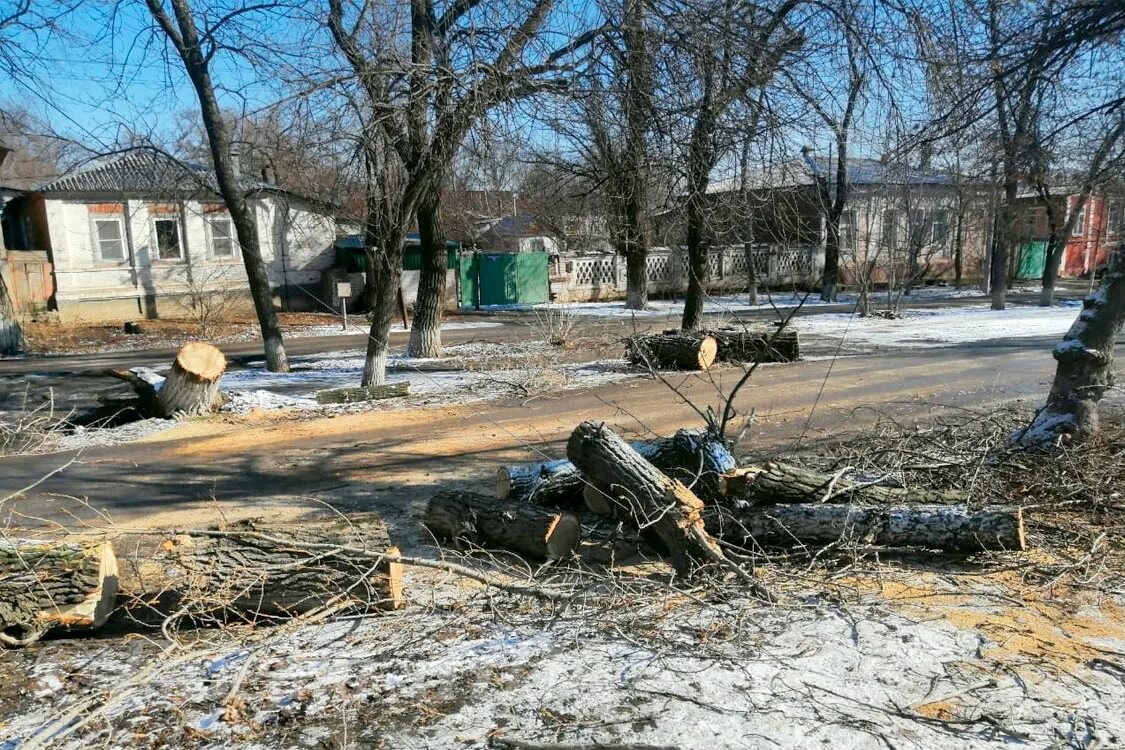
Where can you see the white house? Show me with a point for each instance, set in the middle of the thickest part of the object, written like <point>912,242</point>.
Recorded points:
<point>141,233</point>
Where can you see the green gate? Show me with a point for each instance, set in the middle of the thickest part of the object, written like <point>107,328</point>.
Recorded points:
<point>503,279</point>
<point>1033,259</point>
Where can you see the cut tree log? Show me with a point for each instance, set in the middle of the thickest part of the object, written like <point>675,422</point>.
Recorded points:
<point>949,528</point>
<point>363,393</point>
<point>695,457</point>
<point>192,385</point>
<point>771,483</point>
<point>758,344</point>
<point>642,493</point>
<point>46,585</point>
<point>672,351</point>
<point>257,570</point>
<point>532,531</point>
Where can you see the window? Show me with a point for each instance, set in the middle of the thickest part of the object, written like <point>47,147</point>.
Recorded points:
<point>847,231</point>
<point>1080,223</point>
<point>941,228</point>
<point>1114,217</point>
<point>890,229</point>
<point>222,238</point>
<point>110,238</point>
<point>167,232</point>
<point>918,229</point>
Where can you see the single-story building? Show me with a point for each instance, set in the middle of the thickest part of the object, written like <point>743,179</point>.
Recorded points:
<point>141,233</point>
<point>1098,230</point>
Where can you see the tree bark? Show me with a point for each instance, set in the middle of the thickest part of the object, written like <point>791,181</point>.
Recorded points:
<point>642,493</point>
<point>695,457</point>
<point>949,528</point>
<point>363,393</point>
<point>48,585</point>
<point>250,570</point>
<point>1002,243</point>
<point>757,345</point>
<point>425,331</point>
<point>530,530</point>
<point>192,385</point>
<point>681,351</point>
<point>188,46</point>
<point>11,338</point>
<point>636,279</point>
<point>772,483</point>
<point>1085,366</point>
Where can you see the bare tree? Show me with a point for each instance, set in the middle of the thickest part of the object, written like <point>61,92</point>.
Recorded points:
<point>719,54</point>
<point>197,51</point>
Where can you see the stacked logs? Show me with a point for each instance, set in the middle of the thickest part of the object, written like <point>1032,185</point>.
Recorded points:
<point>684,495</point>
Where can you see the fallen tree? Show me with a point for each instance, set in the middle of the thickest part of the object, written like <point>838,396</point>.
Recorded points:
<point>529,530</point>
<point>642,493</point>
<point>695,457</point>
<point>252,570</point>
<point>772,482</point>
<point>949,528</point>
<point>363,393</point>
<point>672,351</point>
<point>756,344</point>
<point>46,585</point>
<point>190,388</point>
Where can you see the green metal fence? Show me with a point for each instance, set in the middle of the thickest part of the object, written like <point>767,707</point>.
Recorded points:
<point>503,279</point>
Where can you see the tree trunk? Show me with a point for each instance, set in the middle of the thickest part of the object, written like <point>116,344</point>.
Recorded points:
<point>636,280</point>
<point>252,570</point>
<point>47,585</point>
<point>751,274</point>
<point>695,457</point>
<point>697,269</point>
<point>643,494</point>
<point>192,386</point>
<point>1055,249</point>
<point>530,530</point>
<point>384,277</point>
<point>772,483</point>
<point>758,345</point>
<point>831,278</point>
<point>1001,243</point>
<point>425,331</point>
<point>949,528</point>
<point>11,338</point>
<point>1085,365</point>
<point>363,393</point>
<point>190,49</point>
<point>681,351</point>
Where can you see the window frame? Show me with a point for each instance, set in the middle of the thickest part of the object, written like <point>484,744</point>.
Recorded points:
<point>231,238</point>
<point>848,232</point>
<point>1114,206</point>
<point>121,238</point>
<point>156,257</point>
<point>1080,225</point>
<point>889,218</point>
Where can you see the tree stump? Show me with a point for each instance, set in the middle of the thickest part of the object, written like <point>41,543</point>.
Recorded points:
<point>949,528</point>
<point>772,482</point>
<point>642,493</point>
<point>254,570</point>
<point>47,584</point>
<point>756,344</point>
<point>11,337</point>
<point>672,351</point>
<point>537,533</point>
<point>192,386</point>
<point>363,393</point>
<point>695,457</point>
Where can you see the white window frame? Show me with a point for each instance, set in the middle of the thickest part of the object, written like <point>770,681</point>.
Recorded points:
<point>156,257</point>
<point>231,237</point>
<point>1080,225</point>
<point>1113,223</point>
<point>121,240</point>
<point>848,230</point>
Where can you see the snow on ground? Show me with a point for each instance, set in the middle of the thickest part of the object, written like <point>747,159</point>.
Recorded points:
<point>918,329</point>
<point>360,326</point>
<point>725,674</point>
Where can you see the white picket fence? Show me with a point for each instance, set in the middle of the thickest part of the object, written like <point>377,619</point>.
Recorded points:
<point>590,277</point>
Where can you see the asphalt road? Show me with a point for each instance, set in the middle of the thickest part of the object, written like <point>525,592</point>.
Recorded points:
<point>396,458</point>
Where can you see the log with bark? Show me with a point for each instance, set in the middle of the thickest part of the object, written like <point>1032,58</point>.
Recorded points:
<point>254,570</point>
<point>190,388</point>
<point>46,585</point>
<point>758,344</point>
<point>363,393</point>
<point>642,493</point>
<point>949,528</point>
<point>695,457</point>
<point>672,351</point>
<point>772,482</point>
<point>529,530</point>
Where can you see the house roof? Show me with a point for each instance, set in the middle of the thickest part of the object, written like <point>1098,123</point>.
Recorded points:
<point>800,173</point>
<point>143,170</point>
<point>522,225</point>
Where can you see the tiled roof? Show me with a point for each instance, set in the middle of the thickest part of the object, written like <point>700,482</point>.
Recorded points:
<point>142,170</point>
